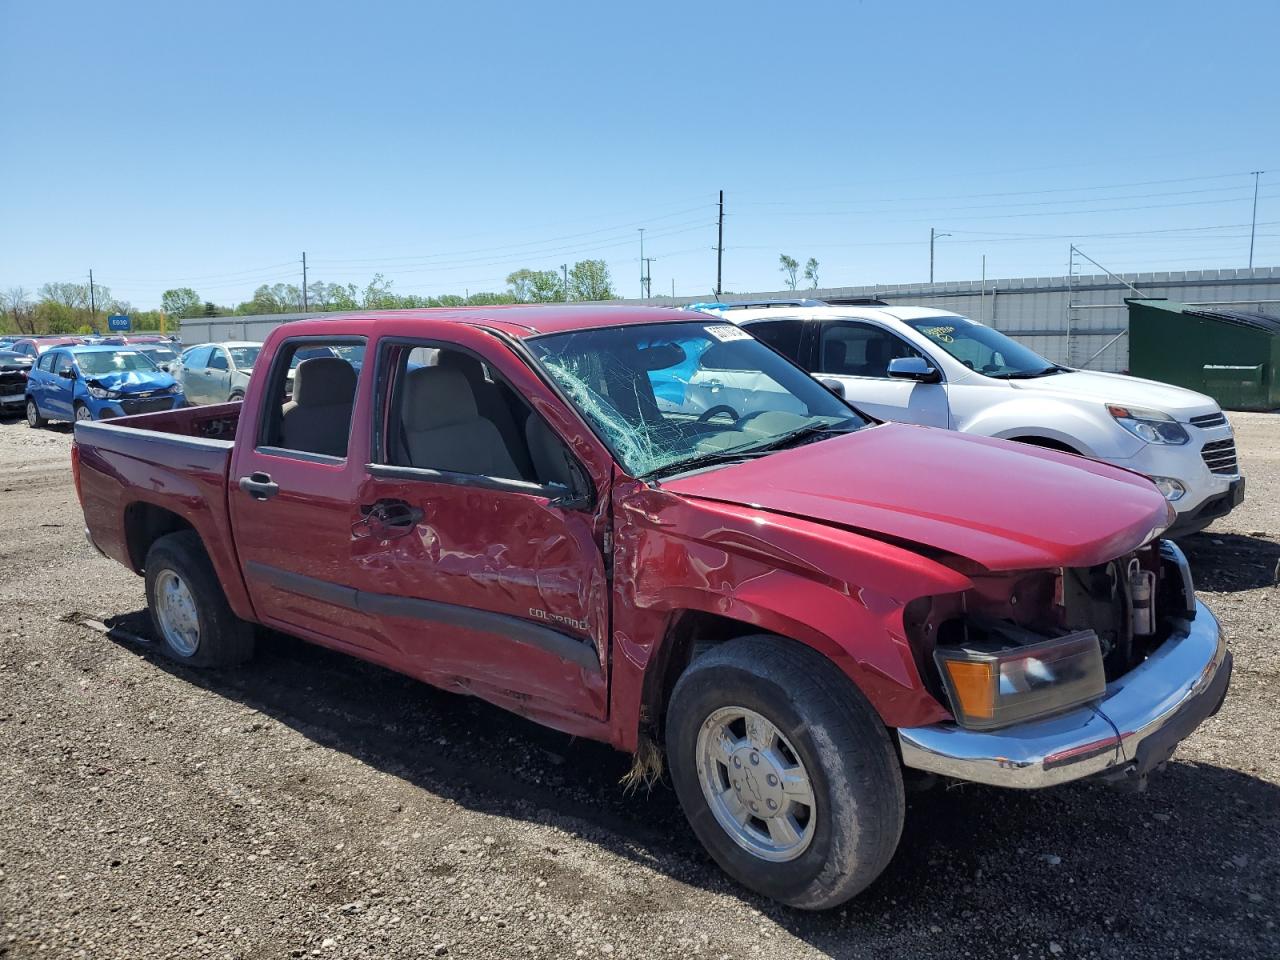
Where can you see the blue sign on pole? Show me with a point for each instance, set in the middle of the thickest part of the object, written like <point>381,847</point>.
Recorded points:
<point>119,321</point>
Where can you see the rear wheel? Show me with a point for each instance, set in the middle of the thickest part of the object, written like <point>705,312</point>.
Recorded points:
<point>188,608</point>
<point>785,771</point>
<point>34,420</point>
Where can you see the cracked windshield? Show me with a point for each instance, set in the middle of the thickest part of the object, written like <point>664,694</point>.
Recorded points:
<point>673,397</point>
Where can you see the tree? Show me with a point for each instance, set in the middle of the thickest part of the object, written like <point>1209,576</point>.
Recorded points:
<point>589,280</point>
<point>789,266</point>
<point>811,273</point>
<point>181,302</point>
<point>15,304</point>
<point>536,286</point>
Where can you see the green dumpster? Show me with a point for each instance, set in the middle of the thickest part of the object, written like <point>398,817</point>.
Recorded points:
<point>1231,355</point>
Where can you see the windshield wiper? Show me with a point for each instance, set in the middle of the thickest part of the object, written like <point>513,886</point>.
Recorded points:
<point>702,460</point>
<point>1029,374</point>
<point>804,433</point>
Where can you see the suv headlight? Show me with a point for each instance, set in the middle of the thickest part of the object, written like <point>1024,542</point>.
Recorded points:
<point>994,687</point>
<point>1151,426</point>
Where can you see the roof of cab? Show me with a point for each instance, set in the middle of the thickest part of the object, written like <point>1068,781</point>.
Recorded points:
<point>518,320</point>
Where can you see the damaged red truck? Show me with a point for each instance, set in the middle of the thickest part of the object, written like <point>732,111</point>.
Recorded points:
<point>794,605</point>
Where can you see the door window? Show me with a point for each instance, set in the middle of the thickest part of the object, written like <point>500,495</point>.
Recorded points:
<point>308,402</point>
<point>861,350</point>
<point>450,414</point>
<point>784,335</point>
<point>218,360</point>
<point>64,363</point>
<point>197,358</point>
<point>45,363</point>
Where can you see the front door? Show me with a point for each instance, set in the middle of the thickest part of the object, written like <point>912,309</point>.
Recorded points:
<point>487,578</point>
<point>58,401</point>
<point>857,354</point>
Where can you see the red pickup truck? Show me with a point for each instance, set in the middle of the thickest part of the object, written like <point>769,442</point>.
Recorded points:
<point>789,603</point>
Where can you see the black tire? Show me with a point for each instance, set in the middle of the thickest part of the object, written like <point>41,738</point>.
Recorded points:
<point>224,640</point>
<point>34,420</point>
<point>830,726</point>
<point>237,396</point>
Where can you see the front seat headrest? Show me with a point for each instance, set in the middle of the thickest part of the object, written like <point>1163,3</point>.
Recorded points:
<point>437,397</point>
<point>322,381</point>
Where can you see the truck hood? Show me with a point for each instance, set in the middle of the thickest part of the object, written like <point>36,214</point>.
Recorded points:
<point>1004,505</point>
<point>1179,402</point>
<point>133,381</point>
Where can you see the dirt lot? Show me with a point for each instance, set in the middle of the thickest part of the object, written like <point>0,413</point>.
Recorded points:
<point>310,805</point>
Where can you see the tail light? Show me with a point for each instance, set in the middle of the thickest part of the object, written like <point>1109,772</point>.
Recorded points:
<point>75,471</point>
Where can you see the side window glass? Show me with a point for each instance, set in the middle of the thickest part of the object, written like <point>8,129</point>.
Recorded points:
<point>218,361</point>
<point>448,411</point>
<point>861,350</point>
<point>309,399</point>
<point>783,335</point>
<point>64,362</point>
<point>197,358</point>
<point>46,362</point>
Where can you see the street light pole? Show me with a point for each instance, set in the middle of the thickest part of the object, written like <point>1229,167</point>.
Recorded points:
<point>1253,226</point>
<point>933,235</point>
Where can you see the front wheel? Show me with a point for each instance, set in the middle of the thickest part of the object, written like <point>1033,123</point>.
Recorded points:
<point>785,771</point>
<point>34,420</point>
<point>83,413</point>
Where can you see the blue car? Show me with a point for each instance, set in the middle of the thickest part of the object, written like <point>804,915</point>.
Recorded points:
<point>94,383</point>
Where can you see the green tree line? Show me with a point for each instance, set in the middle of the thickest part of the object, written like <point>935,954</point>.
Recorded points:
<point>67,307</point>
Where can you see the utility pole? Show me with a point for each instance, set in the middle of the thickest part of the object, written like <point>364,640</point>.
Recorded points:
<point>673,289</point>
<point>982,312</point>
<point>642,263</point>
<point>720,245</point>
<point>564,269</point>
<point>648,277</point>
<point>933,235</point>
<point>93,304</point>
<point>304,281</point>
<point>1254,225</point>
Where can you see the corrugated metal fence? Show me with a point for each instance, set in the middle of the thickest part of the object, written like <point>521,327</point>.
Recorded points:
<point>1074,320</point>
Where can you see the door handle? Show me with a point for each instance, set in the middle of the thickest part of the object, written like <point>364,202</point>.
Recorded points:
<point>259,485</point>
<point>387,519</point>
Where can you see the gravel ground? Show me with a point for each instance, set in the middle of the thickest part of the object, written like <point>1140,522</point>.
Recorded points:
<point>311,805</point>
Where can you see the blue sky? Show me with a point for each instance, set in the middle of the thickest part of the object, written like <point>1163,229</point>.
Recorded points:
<point>444,145</point>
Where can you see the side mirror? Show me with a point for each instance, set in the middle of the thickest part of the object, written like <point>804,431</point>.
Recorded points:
<point>913,368</point>
<point>67,374</point>
<point>580,495</point>
<point>835,386</point>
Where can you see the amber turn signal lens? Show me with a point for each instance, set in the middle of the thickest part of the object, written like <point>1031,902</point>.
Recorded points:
<point>971,683</point>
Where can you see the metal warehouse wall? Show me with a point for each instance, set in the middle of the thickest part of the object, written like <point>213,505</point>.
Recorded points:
<point>1078,321</point>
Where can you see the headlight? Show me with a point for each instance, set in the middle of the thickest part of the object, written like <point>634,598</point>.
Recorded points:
<point>101,393</point>
<point>1149,425</point>
<point>991,688</point>
<point>1172,489</point>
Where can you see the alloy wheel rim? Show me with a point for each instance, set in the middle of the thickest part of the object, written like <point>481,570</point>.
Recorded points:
<point>82,413</point>
<point>176,611</point>
<point>32,413</point>
<point>756,784</point>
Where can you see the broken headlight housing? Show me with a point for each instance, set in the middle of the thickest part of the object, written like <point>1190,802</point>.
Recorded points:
<point>993,685</point>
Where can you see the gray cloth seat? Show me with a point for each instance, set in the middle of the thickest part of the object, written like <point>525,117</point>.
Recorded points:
<point>318,418</point>
<point>491,405</point>
<point>550,459</point>
<point>443,430</point>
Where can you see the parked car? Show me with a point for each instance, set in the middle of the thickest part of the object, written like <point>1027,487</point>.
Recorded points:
<point>801,604</point>
<point>13,380</point>
<point>94,383</point>
<point>922,365</point>
<point>33,347</point>
<point>161,353</point>
<point>217,372</point>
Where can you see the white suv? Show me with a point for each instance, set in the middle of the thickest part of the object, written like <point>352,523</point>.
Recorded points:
<point>921,365</point>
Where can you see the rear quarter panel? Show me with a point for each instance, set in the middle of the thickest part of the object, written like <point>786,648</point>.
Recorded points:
<point>145,460</point>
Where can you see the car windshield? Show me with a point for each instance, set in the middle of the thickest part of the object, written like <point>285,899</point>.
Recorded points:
<point>101,363</point>
<point>982,349</point>
<point>159,354</point>
<point>244,357</point>
<point>675,396</point>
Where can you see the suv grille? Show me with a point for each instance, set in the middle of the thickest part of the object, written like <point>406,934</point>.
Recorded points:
<point>151,405</point>
<point>12,380</point>
<point>1220,456</point>
<point>1206,420</point>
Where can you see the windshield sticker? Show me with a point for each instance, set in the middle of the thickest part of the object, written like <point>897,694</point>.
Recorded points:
<point>941,334</point>
<point>725,332</point>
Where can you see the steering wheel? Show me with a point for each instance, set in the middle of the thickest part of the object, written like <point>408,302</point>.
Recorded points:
<point>719,408</point>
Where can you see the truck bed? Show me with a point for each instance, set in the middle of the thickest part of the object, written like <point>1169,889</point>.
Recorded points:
<point>160,473</point>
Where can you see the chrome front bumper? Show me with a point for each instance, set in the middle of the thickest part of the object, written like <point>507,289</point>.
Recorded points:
<point>1133,729</point>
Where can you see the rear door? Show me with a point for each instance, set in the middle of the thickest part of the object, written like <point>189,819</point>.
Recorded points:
<point>195,374</point>
<point>38,381</point>
<point>218,383</point>
<point>857,353</point>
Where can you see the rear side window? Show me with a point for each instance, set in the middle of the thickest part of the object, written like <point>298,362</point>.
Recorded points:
<point>309,399</point>
<point>784,335</point>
